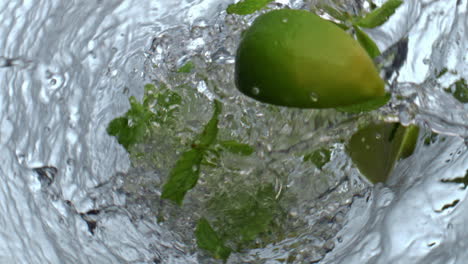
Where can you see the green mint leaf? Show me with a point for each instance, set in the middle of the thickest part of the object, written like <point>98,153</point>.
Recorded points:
<point>461,91</point>
<point>336,14</point>
<point>379,15</point>
<point>209,240</point>
<point>132,127</point>
<point>441,73</point>
<point>376,148</point>
<point>463,180</point>
<point>244,215</point>
<point>319,157</point>
<point>367,43</point>
<point>366,106</point>
<point>210,131</point>
<point>183,176</point>
<point>162,101</point>
<point>187,68</point>
<point>246,7</point>
<point>237,148</point>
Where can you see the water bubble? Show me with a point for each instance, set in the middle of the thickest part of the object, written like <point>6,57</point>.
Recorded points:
<point>363,139</point>
<point>313,96</point>
<point>367,147</point>
<point>255,90</point>
<point>194,168</point>
<point>285,20</point>
<point>378,136</point>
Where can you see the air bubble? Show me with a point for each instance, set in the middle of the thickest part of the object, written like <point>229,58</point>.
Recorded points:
<point>314,97</point>
<point>255,90</point>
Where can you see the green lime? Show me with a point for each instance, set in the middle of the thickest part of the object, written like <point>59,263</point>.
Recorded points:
<point>376,148</point>
<point>295,58</point>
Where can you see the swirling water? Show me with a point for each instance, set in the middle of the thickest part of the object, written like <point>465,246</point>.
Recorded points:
<point>70,194</point>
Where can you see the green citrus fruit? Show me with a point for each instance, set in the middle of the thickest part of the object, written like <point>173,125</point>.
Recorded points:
<point>376,148</point>
<point>295,58</point>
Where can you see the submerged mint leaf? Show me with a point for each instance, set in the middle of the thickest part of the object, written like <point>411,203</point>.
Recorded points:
<point>336,14</point>
<point>461,91</point>
<point>379,15</point>
<point>367,43</point>
<point>442,73</point>
<point>183,176</point>
<point>210,131</point>
<point>158,106</point>
<point>246,7</point>
<point>319,157</point>
<point>208,239</point>
<point>237,148</point>
<point>186,68</point>
<point>131,128</point>
<point>246,217</point>
<point>163,102</point>
<point>463,180</point>
<point>366,106</point>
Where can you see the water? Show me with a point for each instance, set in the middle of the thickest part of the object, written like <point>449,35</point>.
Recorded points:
<point>72,194</point>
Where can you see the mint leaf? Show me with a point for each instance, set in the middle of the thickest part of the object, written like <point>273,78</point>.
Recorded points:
<point>158,106</point>
<point>367,43</point>
<point>163,102</point>
<point>184,175</point>
<point>463,180</point>
<point>366,106</point>
<point>187,68</point>
<point>210,131</point>
<point>319,157</point>
<point>246,7</point>
<point>209,240</point>
<point>442,73</point>
<point>461,91</point>
<point>336,14</point>
<point>237,148</point>
<point>132,127</point>
<point>379,15</point>
<point>246,217</point>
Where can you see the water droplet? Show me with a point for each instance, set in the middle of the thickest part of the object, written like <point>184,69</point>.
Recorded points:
<point>378,136</point>
<point>194,168</point>
<point>314,97</point>
<point>363,139</point>
<point>285,20</point>
<point>255,90</point>
<point>367,147</point>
